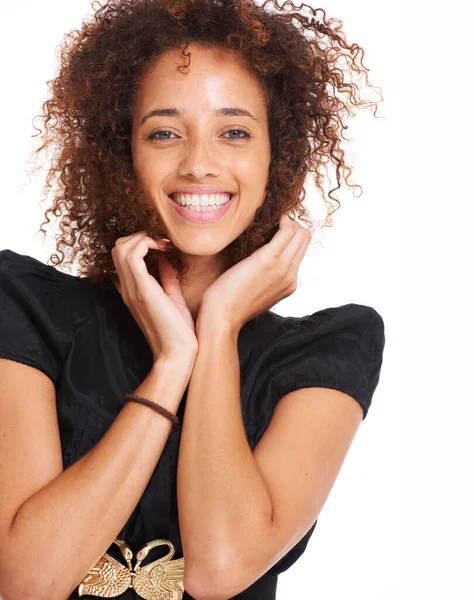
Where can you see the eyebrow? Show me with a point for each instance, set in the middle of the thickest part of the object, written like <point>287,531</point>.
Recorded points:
<point>220,112</point>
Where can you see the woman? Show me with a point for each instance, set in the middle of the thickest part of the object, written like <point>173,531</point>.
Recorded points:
<point>184,132</point>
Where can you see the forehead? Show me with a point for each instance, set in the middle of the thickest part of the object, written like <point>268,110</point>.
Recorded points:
<point>213,76</point>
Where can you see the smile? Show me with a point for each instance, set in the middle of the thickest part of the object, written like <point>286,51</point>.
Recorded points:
<point>203,214</point>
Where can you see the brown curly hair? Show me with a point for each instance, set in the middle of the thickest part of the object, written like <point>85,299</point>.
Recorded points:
<point>296,57</point>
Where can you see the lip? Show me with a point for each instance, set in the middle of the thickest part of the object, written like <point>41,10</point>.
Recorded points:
<point>199,189</point>
<point>203,216</point>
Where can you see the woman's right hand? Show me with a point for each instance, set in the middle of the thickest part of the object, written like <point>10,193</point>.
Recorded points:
<point>161,312</point>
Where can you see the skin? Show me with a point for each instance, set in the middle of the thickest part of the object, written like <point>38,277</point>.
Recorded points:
<point>201,148</point>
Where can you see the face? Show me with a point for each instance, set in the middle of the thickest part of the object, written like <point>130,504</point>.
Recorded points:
<point>195,143</point>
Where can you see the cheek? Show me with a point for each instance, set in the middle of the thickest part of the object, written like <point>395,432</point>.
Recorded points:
<point>147,168</point>
<point>139,164</point>
<point>252,175</point>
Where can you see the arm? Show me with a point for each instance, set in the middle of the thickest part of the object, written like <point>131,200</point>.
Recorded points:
<point>223,502</point>
<point>242,511</point>
<point>55,525</point>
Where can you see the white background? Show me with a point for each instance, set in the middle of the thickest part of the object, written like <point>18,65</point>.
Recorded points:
<point>397,518</point>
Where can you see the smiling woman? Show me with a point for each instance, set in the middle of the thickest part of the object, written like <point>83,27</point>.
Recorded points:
<point>198,72</point>
<point>184,131</point>
<point>192,149</point>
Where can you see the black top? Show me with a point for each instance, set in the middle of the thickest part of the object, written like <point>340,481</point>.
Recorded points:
<point>84,338</point>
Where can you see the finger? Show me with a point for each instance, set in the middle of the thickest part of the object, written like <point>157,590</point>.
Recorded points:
<point>168,278</point>
<point>137,268</point>
<point>300,240</point>
<point>287,231</point>
<point>280,240</point>
<point>127,238</point>
<point>121,252</point>
<point>288,243</point>
<point>304,240</point>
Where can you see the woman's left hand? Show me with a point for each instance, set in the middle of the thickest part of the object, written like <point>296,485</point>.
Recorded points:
<point>258,282</point>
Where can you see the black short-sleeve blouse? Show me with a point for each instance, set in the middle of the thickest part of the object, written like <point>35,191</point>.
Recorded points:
<point>84,338</point>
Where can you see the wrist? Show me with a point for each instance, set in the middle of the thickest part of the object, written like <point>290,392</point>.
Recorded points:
<point>166,382</point>
<point>177,368</point>
<point>216,329</point>
<point>212,323</point>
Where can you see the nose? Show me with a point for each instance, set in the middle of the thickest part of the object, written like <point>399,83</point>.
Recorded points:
<point>199,160</point>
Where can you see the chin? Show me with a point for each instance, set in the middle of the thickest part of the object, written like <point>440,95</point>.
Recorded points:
<point>201,250</point>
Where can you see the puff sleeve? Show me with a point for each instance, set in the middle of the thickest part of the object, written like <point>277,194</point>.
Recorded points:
<point>29,295</point>
<point>339,348</point>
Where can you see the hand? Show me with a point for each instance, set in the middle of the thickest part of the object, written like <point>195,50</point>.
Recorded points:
<point>258,282</point>
<point>161,312</point>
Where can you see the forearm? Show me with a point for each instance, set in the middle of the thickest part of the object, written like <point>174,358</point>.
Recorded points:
<point>60,532</point>
<point>222,498</point>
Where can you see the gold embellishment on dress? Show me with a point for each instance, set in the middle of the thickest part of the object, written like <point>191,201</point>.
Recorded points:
<point>160,580</point>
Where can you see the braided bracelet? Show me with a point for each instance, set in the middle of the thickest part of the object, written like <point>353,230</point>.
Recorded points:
<point>159,409</point>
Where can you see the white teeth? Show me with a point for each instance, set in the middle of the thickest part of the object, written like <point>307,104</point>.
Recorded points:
<point>204,200</point>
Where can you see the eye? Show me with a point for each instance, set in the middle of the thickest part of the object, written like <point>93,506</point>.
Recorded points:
<point>154,135</point>
<point>246,133</point>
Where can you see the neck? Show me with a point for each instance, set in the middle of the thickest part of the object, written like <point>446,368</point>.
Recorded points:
<point>201,274</point>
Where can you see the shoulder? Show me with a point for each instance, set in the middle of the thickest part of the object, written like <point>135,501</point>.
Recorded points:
<point>340,316</point>
<point>328,324</point>
<point>32,314</point>
<point>337,347</point>
<point>30,271</point>
<point>51,298</point>
<point>325,326</point>
<point>349,320</point>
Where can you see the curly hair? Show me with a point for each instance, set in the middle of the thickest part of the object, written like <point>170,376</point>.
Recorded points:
<point>296,57</point>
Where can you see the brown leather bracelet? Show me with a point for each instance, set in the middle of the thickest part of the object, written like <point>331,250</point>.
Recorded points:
<point>159,409</point>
